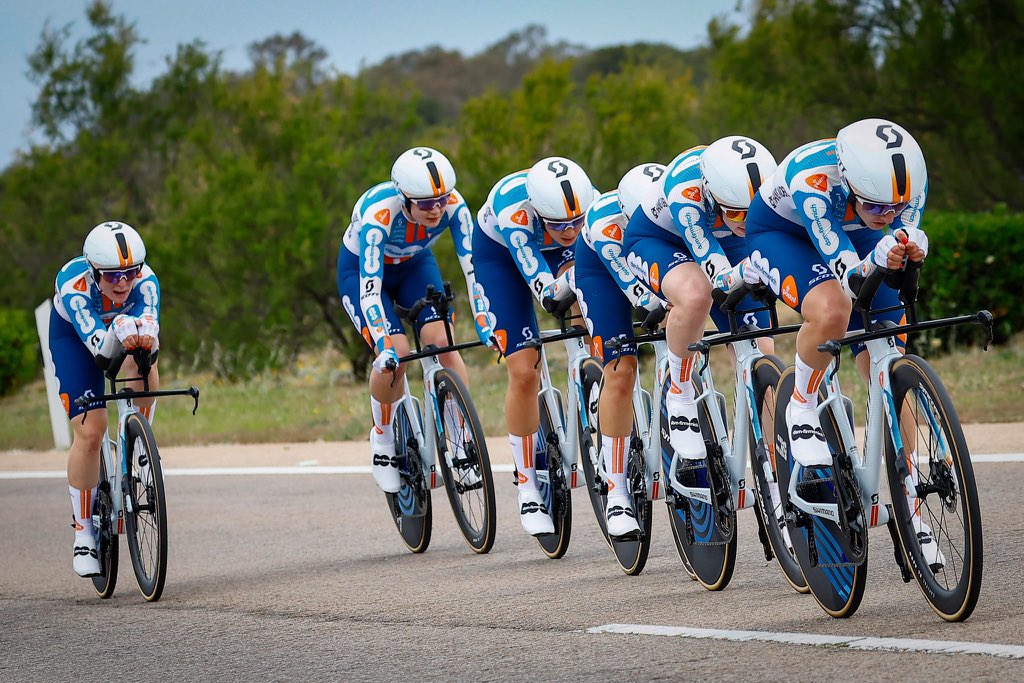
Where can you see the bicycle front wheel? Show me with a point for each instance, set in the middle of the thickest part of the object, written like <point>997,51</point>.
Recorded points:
<point>468,482</point>
<point>556,491</point>
<point>765,374</point>
<point>107,545</point>
<point>145,507</point>
<point>590,441</point>
<point>939,465</point>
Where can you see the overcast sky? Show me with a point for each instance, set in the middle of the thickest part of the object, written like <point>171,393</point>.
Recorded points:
<point>354,33</point>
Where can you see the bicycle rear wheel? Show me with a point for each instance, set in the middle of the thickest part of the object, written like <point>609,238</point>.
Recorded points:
<point>942,467</point>
<point>410,507</point>
<point>706,546</point>
<point>470,483</point>
<point>556,491</point>
<point>145,507</point>
<point>107,543</point>
<point>836,581</point>
<point>765,374</point>
<point>590,441</point>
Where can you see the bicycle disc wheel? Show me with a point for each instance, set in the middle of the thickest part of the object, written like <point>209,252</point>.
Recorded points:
<point>410,507</point>
<point>470,483</point>
<point>556,491</point>
<point>836,583</point>
<point>107,543</point>
<point>765,374</point>
<point>707,548</point>
<point>947,494</point>
<point>145,508</point>
<point>590,441</point>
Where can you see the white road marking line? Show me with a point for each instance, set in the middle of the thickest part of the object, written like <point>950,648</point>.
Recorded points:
<point>302,468</point>
<point>225,471</point>
<point>817,639</point>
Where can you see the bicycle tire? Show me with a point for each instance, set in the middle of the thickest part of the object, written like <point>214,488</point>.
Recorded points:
<point>470,486</point>
<point>556,493</point>
<point>710,558</point>
<point>411,508</point>
<point>146,520</point>
<point>631,554</point>
<point>765,374</point>
<point>107,545</point>
<point>591,373</point>
<point>952,594</point>
<point>837,590</point>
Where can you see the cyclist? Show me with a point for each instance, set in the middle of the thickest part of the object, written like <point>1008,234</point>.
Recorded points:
<point>525,237</point>
<point>608,292</point>
<point>833,208</point>
<point>385,259</point>
<point>105,299</point>
<point>676,244</point>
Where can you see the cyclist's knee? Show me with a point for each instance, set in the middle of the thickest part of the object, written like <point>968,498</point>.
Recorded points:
<point>522,373</point>
<point>828,308</point>
<point>618,381</point>
<point>688,289</point>
<point>434,333</point>
<point>89,432</point>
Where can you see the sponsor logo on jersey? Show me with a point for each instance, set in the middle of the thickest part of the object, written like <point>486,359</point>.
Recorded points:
<point>658,207</point>
<point>80,285</point>
<point>520,217</point>
<point>383,216</point>
<point>777,195</point>
<point>597,347</point>
<point>819,181</point>
<point>613,231</point>
<point>655,279</point>
<point>692,193</point>
<point>816,209</point>
<point>789,292</point>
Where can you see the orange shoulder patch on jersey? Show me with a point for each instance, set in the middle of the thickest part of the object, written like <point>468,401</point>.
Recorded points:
<point>613,231</point>
<point>692,193</point>
<point>655,278</point>
<point>383,216</point>
<point>520,217</point>
<point>80,285</point>
<point>819,181</point>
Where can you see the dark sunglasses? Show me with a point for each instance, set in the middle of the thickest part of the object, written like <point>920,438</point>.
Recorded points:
<point>115,276</point>
<point>561,226</point>
<point>429,203</point>
<point>881,209</point>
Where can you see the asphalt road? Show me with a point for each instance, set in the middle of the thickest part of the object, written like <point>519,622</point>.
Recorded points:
<point>305,577</point>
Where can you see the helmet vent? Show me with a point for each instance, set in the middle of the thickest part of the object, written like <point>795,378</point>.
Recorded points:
<point>899,167</point>
<point>570,197</point>
<point>435,175</point>
<point>122,248</point>
<point>754,174</point>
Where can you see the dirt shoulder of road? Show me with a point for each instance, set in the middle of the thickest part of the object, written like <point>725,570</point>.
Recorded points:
<point>982,438</point>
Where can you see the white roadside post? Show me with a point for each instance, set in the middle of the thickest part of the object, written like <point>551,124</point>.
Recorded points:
<point>58,418</point>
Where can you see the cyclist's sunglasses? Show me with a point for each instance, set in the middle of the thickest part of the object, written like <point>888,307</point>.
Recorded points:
<point>429,203</point>
<point>738,215</point>
<point>561,226</point>
<point>881,209</point>
<point>114,276</point>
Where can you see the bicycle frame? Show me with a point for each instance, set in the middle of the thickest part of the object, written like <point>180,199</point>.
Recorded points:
<point>568,439</point>
<point>433,416</point>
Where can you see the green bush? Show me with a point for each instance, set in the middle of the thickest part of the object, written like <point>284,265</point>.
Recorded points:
<point>19,359</point>
<point>975,261</point>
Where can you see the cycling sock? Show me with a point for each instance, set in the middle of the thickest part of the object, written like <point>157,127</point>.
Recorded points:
<point>522,454</point>
<point>805,388</point>
<point>614,450</point>
<point>149,412</point>
<point>680,370</point>
<point>81,507</point>
<point>382,420</point>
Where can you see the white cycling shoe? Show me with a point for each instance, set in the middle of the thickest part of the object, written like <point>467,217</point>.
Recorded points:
<point>85,559</point>
<point>384,464</point>
<point>533,514</point>
<point>933,557</point>
<point>620,517</point>
<point>684,427</point>
<point>806,440</point>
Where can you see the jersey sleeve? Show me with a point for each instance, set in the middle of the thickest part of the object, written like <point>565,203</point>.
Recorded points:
<point>605,237</point>
<point>148,301</point>
<point>515,225</point>
<point>73,290</point>
<point>911,216</point>
<point>694,221</point>
<point>377,219</point>
<point>461,227</point>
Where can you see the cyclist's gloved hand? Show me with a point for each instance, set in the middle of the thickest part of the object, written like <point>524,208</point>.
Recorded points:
<point>149,331</point>
<point>916,243</point>
<point>481,318</point>
<point>380,363</point>
<point>560,288</point>
<point>889,253</point>
<point>126,329</point>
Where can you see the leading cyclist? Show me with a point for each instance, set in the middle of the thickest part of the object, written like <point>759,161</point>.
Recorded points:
<point>105,299</point>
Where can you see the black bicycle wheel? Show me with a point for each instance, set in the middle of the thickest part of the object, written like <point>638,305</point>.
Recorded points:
<point>145,508</point>
<point>470,484</point>
<point>765,375</point>
<point>410,507</point>
<point>947,494</point>
<point>705,544</point>
<point>836,581</point>
<point>107,543</point>
<point>556,491</point>
<point>590,441</point>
